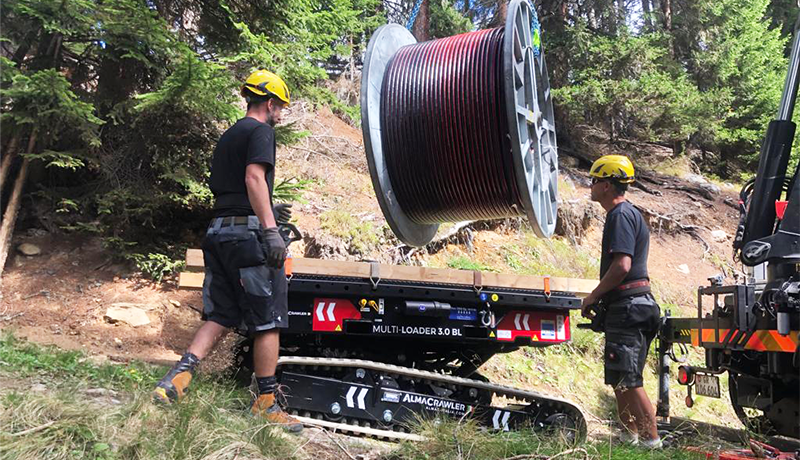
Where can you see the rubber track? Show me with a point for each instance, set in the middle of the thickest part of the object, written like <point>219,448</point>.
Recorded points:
<point>497,390</point>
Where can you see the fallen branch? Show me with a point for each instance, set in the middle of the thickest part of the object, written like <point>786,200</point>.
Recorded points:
<point>10,317</point>
<point>695,190</point>
<point>647,189</point>
<point>339,445</point>
<point>545,457</point>
<point>310,438</point>
<point>34,429</point>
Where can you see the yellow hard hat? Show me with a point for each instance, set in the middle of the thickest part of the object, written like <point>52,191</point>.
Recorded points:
<point>265,83</point>
<point>615,167</point>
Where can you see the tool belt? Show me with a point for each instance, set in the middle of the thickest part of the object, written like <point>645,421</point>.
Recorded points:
<point>251,222</point>
<point>629,289</point>
<point>234,220</point>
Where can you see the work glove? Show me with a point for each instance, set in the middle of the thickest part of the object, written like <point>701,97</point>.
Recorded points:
<point>273,246</point>
<point>282,212</point>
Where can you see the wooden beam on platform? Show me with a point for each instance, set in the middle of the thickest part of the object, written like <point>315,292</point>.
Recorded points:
<point>193,278</point>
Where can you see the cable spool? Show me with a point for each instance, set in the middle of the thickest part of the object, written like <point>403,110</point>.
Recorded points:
<point>460,128</point>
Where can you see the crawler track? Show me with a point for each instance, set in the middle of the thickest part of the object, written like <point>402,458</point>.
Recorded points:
<point>380,400</point>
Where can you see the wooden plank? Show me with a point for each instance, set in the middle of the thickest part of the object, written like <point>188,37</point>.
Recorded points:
<point>191,280</point>
<point>194,260</point>
<point>580,287</point>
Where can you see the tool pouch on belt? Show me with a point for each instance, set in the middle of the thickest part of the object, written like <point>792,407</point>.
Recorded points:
<point>621,351</point>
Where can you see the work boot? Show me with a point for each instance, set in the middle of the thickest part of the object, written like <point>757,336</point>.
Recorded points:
<point>265,407</point>
<point>174,386</point>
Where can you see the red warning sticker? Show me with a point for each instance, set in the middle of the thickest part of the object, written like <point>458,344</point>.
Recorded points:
<point>329,314</point>
<point>538,326</point>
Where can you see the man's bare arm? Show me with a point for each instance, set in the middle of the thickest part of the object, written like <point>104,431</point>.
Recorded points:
<point>620,266</point>
<point>255,179</point>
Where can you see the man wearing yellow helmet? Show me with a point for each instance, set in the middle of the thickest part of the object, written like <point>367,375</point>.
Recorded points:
<point>245,282</point>
<point>631,313</point>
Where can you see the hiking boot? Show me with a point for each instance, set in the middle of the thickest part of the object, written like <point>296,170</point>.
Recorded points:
<point>265,407</point>
<point>174,386</point>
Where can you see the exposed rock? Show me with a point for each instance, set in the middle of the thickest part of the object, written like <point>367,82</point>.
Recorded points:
<point>719,236</point>
<point>574,217</point>
<point>703,183</point>
<point>324,247</point>
<point>103,396</point>
<point>175,303</point>
<point>133,316</point>
<point>100,392</point>
<point>29,249</point>
<point>683,268</point>
<point>38,387</point>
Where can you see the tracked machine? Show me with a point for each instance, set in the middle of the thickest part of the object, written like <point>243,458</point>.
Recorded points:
<point>371,348</point>
<point>751,331</point>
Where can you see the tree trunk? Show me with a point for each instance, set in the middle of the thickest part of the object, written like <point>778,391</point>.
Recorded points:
<point>421,28</point>
<point>499,18</point>
<point>666,11</point>
<point>10,214</point>
<point>8,156</point>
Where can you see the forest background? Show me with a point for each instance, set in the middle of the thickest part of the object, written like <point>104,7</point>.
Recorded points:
<point>111,109</point>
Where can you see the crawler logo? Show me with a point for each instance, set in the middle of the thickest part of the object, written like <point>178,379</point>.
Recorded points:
<point>435,404</point>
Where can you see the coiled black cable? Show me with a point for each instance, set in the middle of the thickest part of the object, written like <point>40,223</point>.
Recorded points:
<point>445,130</point>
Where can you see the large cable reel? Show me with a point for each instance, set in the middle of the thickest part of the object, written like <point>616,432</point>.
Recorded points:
<point>460,128</point>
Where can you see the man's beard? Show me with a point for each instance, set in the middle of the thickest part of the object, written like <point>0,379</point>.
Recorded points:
<point>270,120</point>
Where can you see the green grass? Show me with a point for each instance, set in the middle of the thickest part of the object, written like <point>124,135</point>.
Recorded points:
<point>25,359</point>
<point>46,412</point>
<point>360,237</point>
<point>554,257</point>
<point>61,420</point>
<point>465,263</point>
<point>450,439</point>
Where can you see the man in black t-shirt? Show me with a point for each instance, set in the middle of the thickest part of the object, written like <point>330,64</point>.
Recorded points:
<point>631,314</point>
<point>245,283</point>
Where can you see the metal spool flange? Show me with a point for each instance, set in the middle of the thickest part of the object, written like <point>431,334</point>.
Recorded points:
<point>382,46</point>
<point>530,118</point>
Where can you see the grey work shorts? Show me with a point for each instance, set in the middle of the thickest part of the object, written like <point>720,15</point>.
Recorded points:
<point>239,290</point>
<point>631,325</point>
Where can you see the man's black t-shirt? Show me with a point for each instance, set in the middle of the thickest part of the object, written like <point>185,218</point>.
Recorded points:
<point>626,232</point>
<point>246,142</point>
